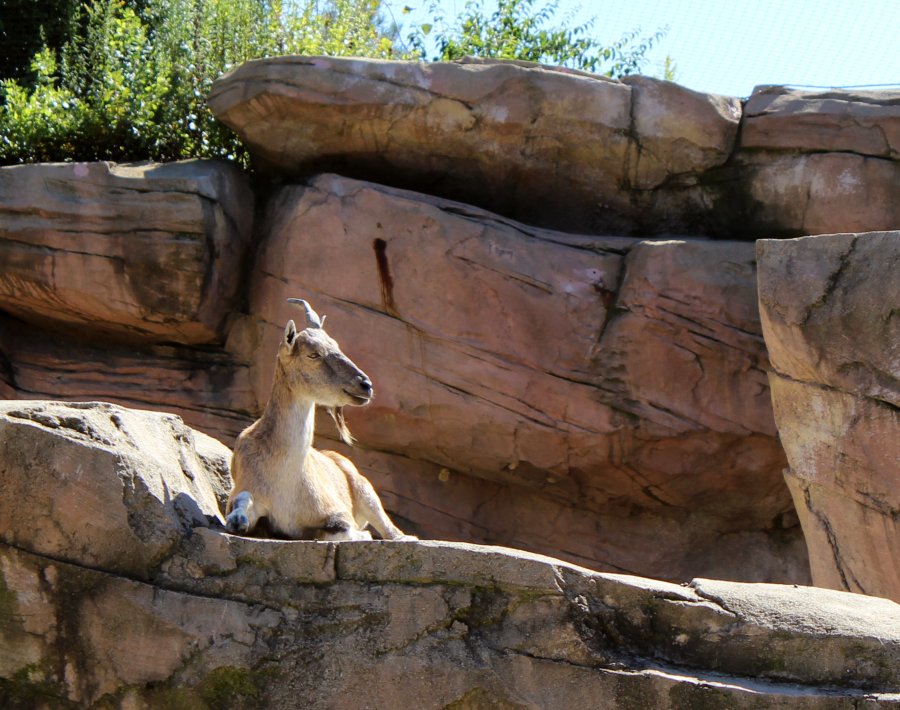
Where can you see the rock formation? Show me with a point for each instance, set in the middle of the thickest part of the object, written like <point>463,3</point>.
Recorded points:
<point>121,282</point>
<point>147,252</point>
<point>519,394</point>
<point>865,123</point>
<point>599,398</point>
<point>125,592</point>
<point>576,151</point>
<point>830,309</point>
<point>556,148</point>
<point>614,387</point>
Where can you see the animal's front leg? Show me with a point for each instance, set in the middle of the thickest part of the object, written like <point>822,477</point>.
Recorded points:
<point>243,516</point>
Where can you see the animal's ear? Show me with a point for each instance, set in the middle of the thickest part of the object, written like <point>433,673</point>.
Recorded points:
<point>290,332</point>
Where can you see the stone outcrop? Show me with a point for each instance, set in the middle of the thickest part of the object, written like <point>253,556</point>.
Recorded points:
<point>817,162</point>
<point>550,147</point>
<point>596,397</point>
<point>209,619</point>
<point>576,151</point>
<point>829,308</point>
<point>209,387</point>
<point>520,397</point>
<point>610,392</point>
<point>104,486</point>
<point>602,399</point>
<point>866,123</point>
<point>145,251</point>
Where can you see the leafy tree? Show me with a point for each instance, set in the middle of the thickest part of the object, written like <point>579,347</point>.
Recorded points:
<point>669,69</point>
<point>131,81</point>
<point>25,27</point>
<point>198,41</point>
<point>521,29</point>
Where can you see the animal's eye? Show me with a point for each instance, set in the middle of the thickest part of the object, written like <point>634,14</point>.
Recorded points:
<point>314,356</point>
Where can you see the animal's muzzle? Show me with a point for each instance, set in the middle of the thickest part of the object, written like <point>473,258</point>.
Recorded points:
<point>362,392</point>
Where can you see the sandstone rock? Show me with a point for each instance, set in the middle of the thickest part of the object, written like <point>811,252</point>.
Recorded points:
<point>677,132</point>
<point>104,486</point>
<point>829,311</point>
<point>520,399</point>
<point>143,251</point>
<point>547,146</point>
<point>530,360</point>
<point>765,194</point>
<point>844,452</point>
<point>209,388</point>
<point>210,618</point>
<point>280,624</point>
<point>829,307</point>
<point>575,151</point>
<point>814,163</point>
<point>862,122</point>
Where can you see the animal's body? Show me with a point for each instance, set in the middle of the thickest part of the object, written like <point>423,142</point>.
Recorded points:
<point>302,492</point>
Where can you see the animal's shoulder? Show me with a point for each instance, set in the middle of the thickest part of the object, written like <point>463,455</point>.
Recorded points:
<point>334,458</point>
<point>256,437</point>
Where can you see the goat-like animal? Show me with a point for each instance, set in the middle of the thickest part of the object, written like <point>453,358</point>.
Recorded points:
<point>302,492</point>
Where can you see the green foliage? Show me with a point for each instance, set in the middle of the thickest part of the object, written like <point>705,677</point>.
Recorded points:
<point>25,27</point>
<point>42,123</point>
<point>21,690</point>
<point>131,84</point>
<point>228,686</point>
<point>521,29</point>
<point>200,40</point>
<point>131,81</point>
<point>669,69</point>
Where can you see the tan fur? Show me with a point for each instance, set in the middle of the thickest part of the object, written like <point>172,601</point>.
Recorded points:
<point>305,493</point>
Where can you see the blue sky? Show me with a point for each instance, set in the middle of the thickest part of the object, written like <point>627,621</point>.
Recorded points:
<point>730,46</point>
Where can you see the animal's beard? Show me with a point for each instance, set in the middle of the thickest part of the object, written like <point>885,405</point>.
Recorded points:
<point>337,414</point>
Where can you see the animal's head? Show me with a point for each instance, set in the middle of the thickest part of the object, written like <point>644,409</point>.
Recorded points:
<point>313,364</point>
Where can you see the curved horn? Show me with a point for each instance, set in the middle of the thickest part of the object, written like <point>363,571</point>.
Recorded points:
<point>312,318</point>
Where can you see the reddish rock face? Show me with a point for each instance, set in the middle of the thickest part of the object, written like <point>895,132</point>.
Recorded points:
<point>576,151</point>
<point>601,397</point>
<point>136,252</point>
<point>546,146</point>
<point>866,123</point>
<point>829,309</point>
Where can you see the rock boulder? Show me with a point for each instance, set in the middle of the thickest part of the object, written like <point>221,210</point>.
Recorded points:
<point>547,146</point>
<point>812,163</point>
<point>866,123</point>
<point>104,486</point>
<point>829,309</point>
<point>575,151</point>
<point>218,620</point>
<point>149,252</point>
<point>600,398</point>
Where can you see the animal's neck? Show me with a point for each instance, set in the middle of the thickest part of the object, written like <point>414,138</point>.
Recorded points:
<point>290,420</point>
